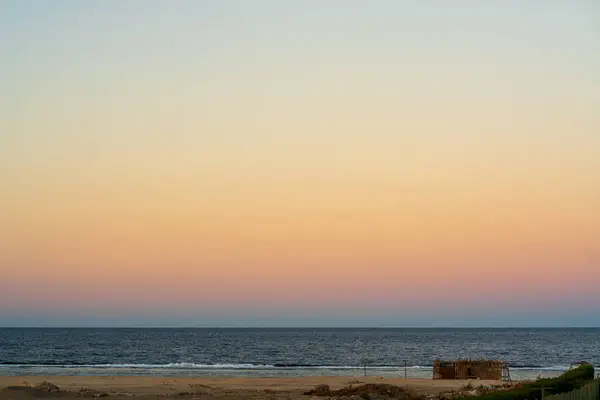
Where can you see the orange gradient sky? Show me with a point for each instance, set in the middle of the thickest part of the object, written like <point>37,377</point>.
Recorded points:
<point>227,163</point>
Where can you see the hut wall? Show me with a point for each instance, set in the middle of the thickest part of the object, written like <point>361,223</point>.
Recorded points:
<point>444,370</point>
<point>470,369</point>
<point>447,372</point>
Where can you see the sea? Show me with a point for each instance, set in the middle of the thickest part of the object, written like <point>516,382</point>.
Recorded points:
<point>288,352</point>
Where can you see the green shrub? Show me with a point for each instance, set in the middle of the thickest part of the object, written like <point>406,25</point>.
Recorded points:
<point>570,380</point>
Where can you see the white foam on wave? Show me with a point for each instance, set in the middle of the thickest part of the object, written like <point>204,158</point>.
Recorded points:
<point>182,365</point>
<point>553,368</point>
<point>224,366</point>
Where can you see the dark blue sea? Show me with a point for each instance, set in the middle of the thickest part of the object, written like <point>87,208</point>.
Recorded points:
<point>287,352</point>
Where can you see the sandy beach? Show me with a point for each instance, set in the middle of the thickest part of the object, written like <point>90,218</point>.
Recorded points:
<point>197,388</point>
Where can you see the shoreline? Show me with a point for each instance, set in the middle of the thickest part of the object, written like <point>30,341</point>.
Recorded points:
<point>418,374</point>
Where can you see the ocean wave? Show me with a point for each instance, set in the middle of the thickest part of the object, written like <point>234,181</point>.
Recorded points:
<point>188,365</point>
<point>540,368</point>
<point>182,365</point>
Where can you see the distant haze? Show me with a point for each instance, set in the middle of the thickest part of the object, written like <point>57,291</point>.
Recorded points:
<point>300,163</point>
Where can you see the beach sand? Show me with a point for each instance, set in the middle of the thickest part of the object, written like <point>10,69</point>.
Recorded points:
<point>206,388</point>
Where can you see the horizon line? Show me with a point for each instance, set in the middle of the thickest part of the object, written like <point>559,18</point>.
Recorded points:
<point>294,327</point>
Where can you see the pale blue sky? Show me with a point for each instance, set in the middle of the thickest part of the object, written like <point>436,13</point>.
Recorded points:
<point>98,38</point>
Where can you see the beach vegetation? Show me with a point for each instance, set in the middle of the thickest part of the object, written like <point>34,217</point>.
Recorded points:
<point>567,382</point>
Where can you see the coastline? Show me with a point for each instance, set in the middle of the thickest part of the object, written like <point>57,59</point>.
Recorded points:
<point>292,353</point>
<point>228,372</point>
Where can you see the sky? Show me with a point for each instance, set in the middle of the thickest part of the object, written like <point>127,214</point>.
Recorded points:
<point>300,163</point>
